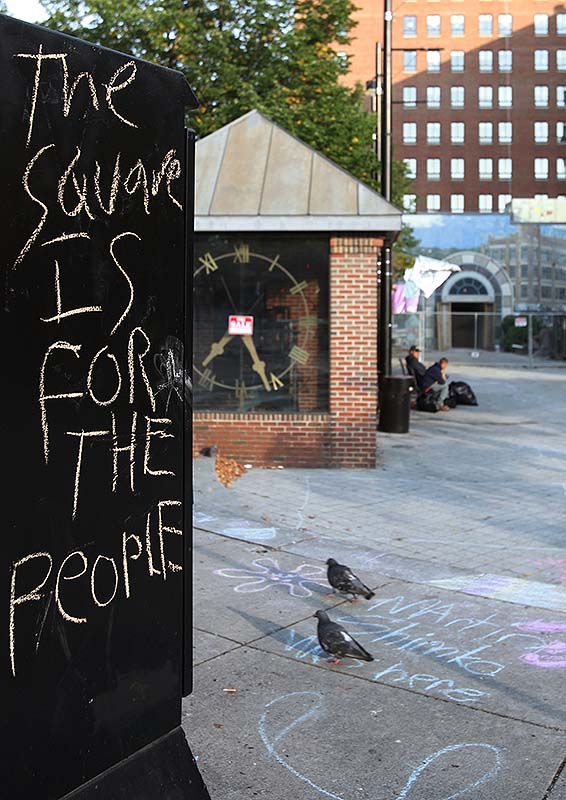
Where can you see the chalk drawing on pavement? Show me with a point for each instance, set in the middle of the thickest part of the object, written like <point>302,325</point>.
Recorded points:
<point>265,573</point>
<point>541,626</point>
<point>314,703</point>
<point>199,518</point>
<point>552,656</point>
<point>508,589</point>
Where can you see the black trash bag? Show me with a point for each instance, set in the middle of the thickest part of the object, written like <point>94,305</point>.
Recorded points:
<point>462,393</point>
<point>451,402</point>
<point>426,402</point>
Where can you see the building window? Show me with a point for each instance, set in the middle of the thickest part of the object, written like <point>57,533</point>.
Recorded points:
<point>409,96</point>
<point>410,61</point>
<point>433,133</point>
<point>541,132</point>
<point>504,169</point>
<point>486,25</point>
<point>457,96</point>
<point>433,169</point>
<point>433,25</point>
<point>433,202</point>
<point>409,133</point>
<point>502,201</point>
<point>433,96</point>
<point>485,169</point>
<point>561,60</point>
<point>457,203</point>
<point>433,61</point>
<point>409,26</point>
<point>505,96</point>
<point>457,24</point>
<point>485,132</point>
<point>560,24</point>
<point>504,24</point>
<point>457,132</point>
<point>505,132</point>
<point>541,96</point>
<point>485,203</point>
<point>541,60</point>
<point>410,202</point>
<point>560,97</point>
<point>485,96</point>
<point>485,58</point>
<point>457,169</point>
<point>561,132</point>
<point>541,169</point>
<point>541,24</point>
<point>411,165</point>
<point>457,61</point>
<point>505,60</point>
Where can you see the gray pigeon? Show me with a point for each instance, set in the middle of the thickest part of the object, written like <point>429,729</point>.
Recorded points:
<point>336,641</point>
<point>342,578</point>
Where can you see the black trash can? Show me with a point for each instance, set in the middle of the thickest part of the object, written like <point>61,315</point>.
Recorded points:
<point>395,404</point>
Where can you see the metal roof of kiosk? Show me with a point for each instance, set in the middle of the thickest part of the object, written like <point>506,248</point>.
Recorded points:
<point>252,175</point>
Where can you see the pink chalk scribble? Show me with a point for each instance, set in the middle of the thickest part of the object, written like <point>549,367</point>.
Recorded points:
<point>541,626</point>
<point>552,656</point>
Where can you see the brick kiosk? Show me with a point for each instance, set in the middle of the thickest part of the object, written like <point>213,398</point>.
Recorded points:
<point>285,232</point>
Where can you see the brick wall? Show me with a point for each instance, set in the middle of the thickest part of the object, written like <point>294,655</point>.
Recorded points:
<point>293,440</point>
<point>353,350</point>
<point>346,436</point>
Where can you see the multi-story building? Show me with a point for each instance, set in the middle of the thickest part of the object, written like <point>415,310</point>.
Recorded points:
<point>536,263</point>
<point>479,94</point>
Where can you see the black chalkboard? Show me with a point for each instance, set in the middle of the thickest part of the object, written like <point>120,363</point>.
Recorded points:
<point>92,410</point>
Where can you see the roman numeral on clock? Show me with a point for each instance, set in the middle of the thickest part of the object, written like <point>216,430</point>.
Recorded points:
<point>242,254</point>
<point>275,382</point>
<point>207,379</point>
<point>241,390</point>
<point>208,263</point>
<point>298,355</point>
<point>298,287</point>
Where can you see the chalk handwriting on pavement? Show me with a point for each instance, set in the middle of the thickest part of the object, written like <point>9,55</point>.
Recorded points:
<point>265,573</point>
<point>429,628</point>
<point>488,756</point>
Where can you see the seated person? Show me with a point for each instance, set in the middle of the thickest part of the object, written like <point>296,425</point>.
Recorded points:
<point>434,381</point>
<point>415,367</point>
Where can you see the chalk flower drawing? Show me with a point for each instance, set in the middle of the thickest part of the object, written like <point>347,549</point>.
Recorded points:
<point>265,573</point>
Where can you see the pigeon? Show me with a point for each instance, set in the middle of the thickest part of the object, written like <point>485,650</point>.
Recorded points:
<point>336,641</point>
<point>341,578</point>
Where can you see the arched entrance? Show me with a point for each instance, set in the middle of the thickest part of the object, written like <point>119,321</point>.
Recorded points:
<point>466,311</point>
<point>468,299</point>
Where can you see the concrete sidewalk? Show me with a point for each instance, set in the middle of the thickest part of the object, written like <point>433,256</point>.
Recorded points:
<point>460,532</point>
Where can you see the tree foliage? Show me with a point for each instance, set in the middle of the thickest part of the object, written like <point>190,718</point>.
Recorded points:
<point>279,56</point>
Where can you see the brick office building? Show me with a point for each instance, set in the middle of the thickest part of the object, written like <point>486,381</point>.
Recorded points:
<point>479,93</point>
<point>285,236</point>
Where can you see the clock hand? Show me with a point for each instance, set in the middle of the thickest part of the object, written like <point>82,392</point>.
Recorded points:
<point>258,365</point>
<point>217,348</point>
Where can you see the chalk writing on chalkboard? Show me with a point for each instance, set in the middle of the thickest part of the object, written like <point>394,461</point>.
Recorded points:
<point>102,379</point>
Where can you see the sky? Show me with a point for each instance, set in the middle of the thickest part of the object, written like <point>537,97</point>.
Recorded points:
<point>28,10</point>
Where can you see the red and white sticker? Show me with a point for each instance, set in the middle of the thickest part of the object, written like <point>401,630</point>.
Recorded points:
<point>240,325</point>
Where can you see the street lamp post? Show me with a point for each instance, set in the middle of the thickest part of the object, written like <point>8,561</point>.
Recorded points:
<point>385,264</point>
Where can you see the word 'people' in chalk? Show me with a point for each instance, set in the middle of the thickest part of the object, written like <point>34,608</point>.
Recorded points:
<point>79,566</point>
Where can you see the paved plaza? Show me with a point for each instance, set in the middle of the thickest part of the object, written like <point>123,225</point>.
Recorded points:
<point>460,533</point>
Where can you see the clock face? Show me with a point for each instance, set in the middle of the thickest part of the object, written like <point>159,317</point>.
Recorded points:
<point>281,365</point>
